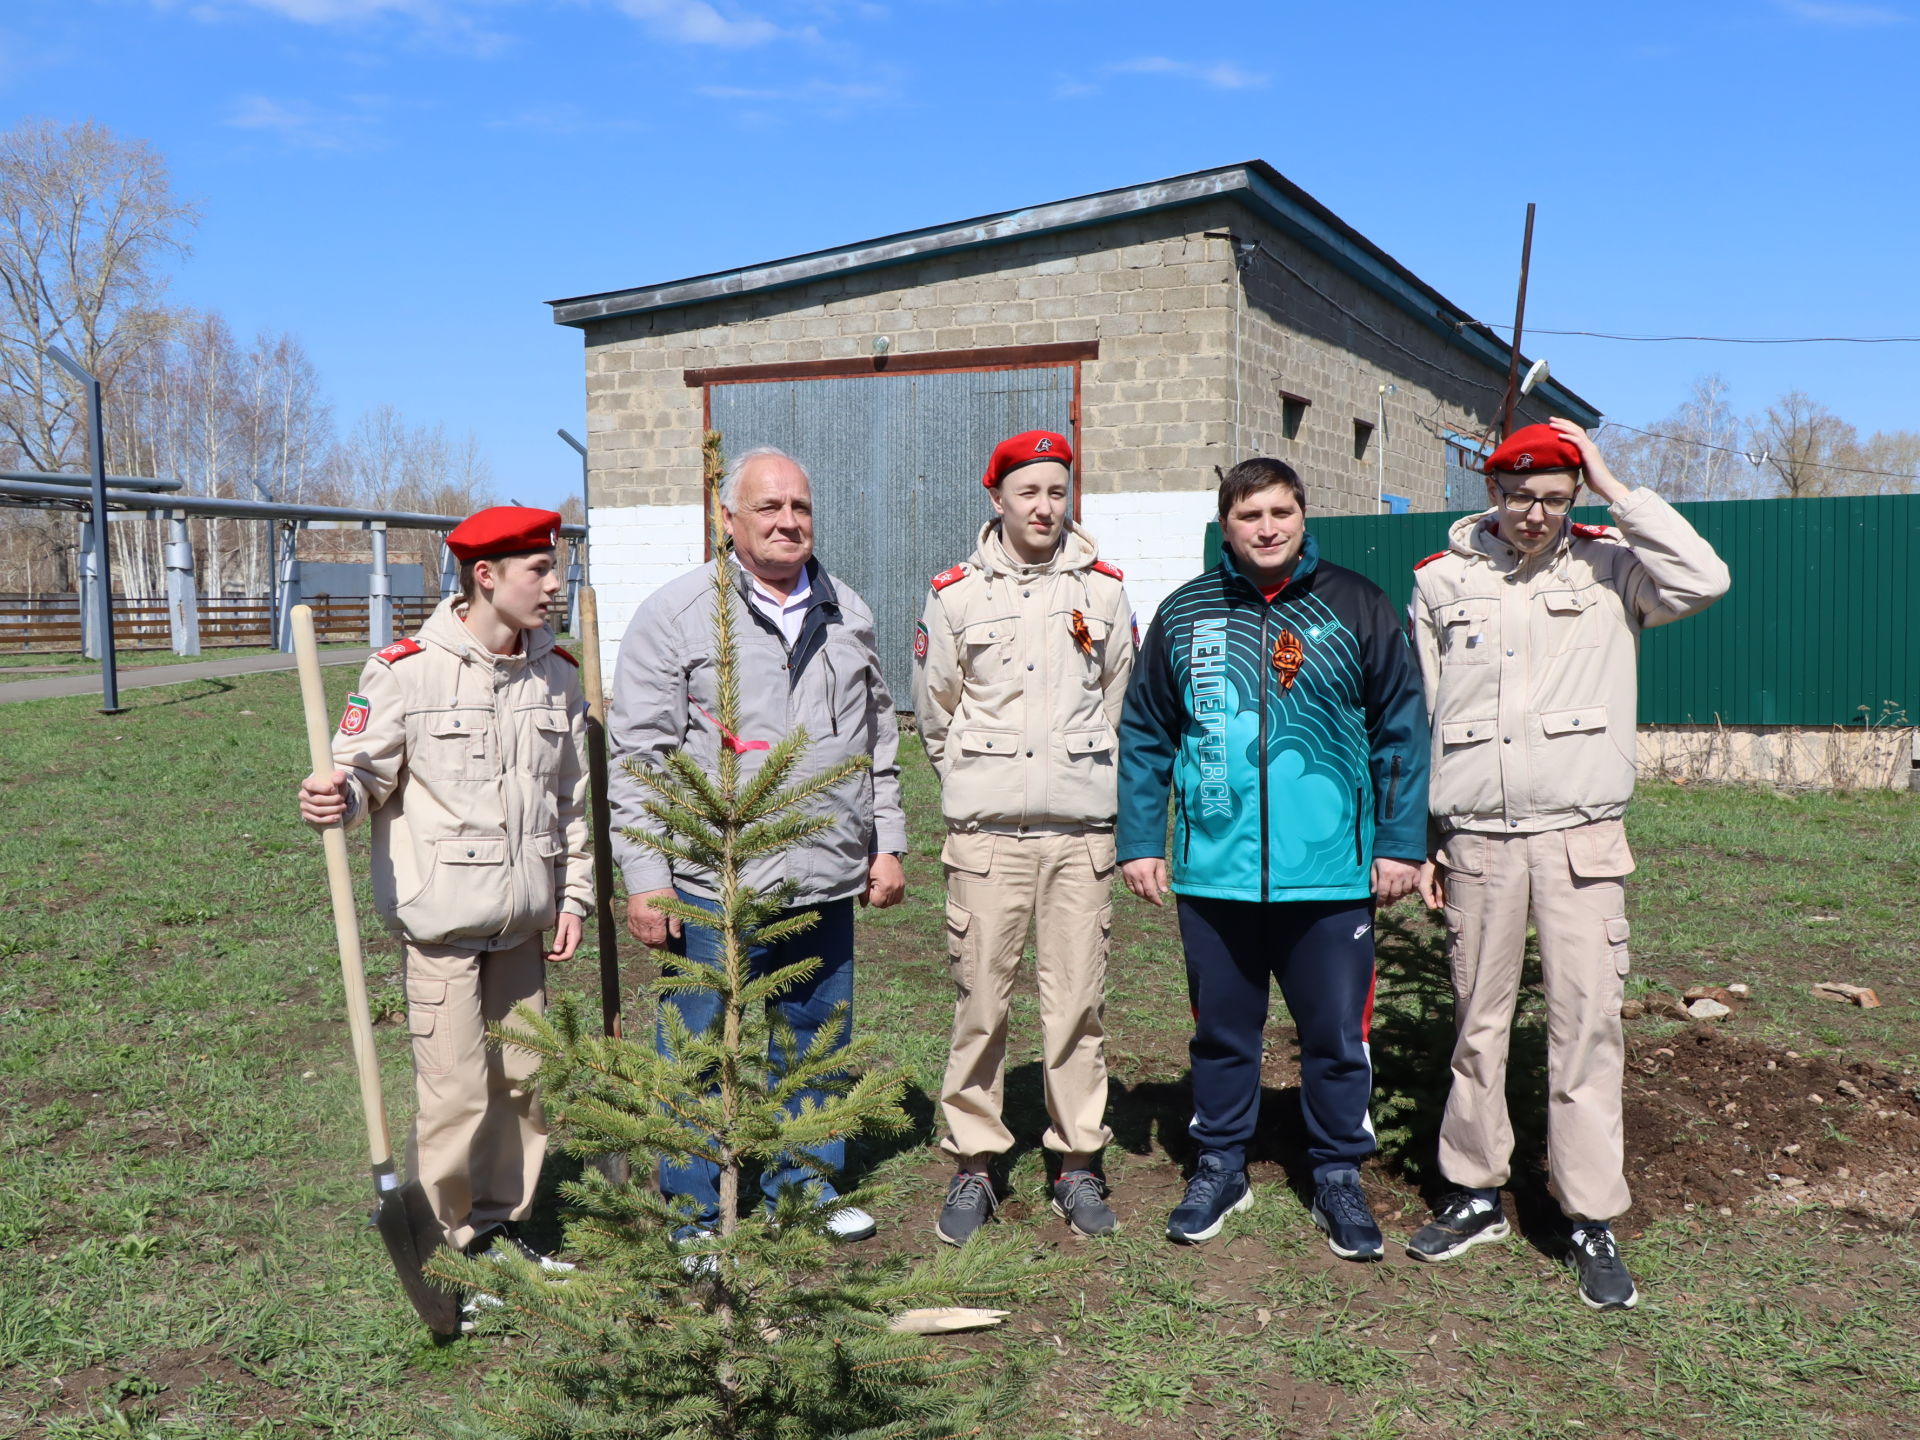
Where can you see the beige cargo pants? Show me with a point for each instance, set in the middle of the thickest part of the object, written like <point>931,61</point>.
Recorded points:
<point>999,887</point>
<point>1570,882</point>
<point>478,1134</point>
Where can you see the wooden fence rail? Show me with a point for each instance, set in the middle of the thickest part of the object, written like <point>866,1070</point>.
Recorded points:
<point>51,623</point>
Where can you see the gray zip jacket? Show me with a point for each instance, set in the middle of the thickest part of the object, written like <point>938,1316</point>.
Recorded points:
<point>830,682</point>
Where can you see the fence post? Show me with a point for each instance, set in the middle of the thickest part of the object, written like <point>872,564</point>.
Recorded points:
<point>379,590</point>
<point>289,586</point>
<point>573,588</point>
<point>183,596</point>
<point>89,584</point>
<point>449,571</point>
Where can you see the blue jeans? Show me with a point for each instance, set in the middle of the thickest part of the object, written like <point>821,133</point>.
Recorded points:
<point>805,1007</point>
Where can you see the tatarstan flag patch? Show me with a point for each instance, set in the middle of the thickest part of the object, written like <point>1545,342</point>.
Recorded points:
<point>920,640</point>
<point>354,719</point>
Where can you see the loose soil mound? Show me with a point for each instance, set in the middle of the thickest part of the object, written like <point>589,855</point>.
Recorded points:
<point>1717,1120</point>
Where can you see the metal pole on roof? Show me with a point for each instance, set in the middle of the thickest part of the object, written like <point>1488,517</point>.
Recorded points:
<point>577,561</point>
<point>1519,320</point>
<point>103,551</point>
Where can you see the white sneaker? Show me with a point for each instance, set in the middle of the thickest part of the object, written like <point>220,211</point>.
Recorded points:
<point>700,1265</point>
<point>850,1223</point>
<point>499,1243</point>
<point>473,1306</point>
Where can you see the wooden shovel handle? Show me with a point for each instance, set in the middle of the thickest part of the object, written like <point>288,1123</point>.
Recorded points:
<point>346,924</point>
<point>609,927</point>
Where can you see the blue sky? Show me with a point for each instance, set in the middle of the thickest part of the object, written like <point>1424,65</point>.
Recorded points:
<point>401,183</point>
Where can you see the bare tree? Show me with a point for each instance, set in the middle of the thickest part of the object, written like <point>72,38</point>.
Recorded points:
<point>1804,443</point>
<point>1692,454</point>
<point>1887,463</point>
<point>86,220</point>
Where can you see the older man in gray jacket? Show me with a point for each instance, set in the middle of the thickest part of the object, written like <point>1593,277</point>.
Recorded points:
<point>806,659</point>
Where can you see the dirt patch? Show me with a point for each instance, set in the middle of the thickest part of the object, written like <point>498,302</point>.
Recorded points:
<point>157,1385</point>
<point>1717,1120</point>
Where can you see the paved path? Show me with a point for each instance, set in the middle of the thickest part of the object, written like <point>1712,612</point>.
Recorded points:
<point>87,681</point>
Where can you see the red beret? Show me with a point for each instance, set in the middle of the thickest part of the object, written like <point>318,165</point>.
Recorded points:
<point>1535,447</point>
<point>1025,449</point>
<point>504,530</point>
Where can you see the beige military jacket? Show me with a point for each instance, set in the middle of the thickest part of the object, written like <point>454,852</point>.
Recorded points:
<point>472,766</point>
<point>1531,668</point>
<point>1016,713</point>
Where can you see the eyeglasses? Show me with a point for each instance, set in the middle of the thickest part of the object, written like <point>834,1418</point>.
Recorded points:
<point>1521,504</point>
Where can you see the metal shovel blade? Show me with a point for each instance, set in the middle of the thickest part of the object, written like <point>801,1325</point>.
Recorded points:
<point>411,1233</point>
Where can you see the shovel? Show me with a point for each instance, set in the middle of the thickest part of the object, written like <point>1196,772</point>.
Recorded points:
<point>614,1167</point>
<point>405,1220</point>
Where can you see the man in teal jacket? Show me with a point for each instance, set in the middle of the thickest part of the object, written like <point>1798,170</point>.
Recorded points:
<point>1277,698</point>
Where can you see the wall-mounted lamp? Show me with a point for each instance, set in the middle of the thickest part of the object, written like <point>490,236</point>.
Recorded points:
<point>882,344</point>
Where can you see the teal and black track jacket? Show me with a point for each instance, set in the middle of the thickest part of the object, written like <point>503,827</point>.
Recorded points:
<point>1282,792</point>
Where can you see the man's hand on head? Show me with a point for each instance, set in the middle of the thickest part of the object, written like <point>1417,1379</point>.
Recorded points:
<point>648,925</point>
<point>1394,879</point>
<point>886,882</point>
<point>1147,878</point>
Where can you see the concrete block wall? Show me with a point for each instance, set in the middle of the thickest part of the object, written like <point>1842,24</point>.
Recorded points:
<point>1187,379</point>
<point>1153,290</point>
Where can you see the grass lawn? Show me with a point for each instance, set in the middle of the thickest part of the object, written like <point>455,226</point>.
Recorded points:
<point>183,1191</point>
<point>46,662</point>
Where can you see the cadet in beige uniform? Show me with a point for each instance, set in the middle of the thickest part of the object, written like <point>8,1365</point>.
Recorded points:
<point>1020,671</point>
<point>1528,630</point>
<point>465,745</point>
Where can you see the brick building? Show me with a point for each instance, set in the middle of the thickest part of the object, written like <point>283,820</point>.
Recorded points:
<point>1170,328</point>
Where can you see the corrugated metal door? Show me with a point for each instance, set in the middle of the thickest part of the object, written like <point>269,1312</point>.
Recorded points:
<point>896,463</point>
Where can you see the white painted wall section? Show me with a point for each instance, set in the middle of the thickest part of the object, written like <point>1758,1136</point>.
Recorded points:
<point>635,550</point>
<point>1156,537</point>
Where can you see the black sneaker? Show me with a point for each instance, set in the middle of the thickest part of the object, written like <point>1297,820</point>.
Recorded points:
<point>1340,1208</point>
<point>1604,1281</point>
<point>970,1204</point>
<point>1214,1192</point>
<point>499,1242</point>
<point>1079,1198</point>
<point>1462,1221</point>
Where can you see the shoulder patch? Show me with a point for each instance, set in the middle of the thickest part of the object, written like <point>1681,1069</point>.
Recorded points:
<point>566,655</point>
<point>948,577</point>
<point>1105,569</point>
<point>1438,554</point>
<point>1596,532</point>
<point>399,650</point>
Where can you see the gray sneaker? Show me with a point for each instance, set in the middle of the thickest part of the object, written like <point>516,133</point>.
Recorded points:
<point>970,1204</point>
<point>1079,1198</point>
<point>1462,1221</point>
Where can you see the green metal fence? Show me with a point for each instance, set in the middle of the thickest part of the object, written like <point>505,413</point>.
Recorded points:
<point>1822,626</point>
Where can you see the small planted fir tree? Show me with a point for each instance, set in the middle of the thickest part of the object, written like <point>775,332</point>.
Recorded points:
<point>751,1327</point>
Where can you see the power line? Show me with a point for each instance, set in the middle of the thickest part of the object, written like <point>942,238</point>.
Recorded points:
<point>1717,339</point>
<point>1751,459</point>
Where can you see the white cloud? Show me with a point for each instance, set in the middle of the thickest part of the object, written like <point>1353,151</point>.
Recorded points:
<point>695,22</point>
<point>307,127</point>
<point>564,119</point>
<point>1074,90</point>
<point>1845,16</point>
<point>1220,75</point>
<point>820,92</point>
